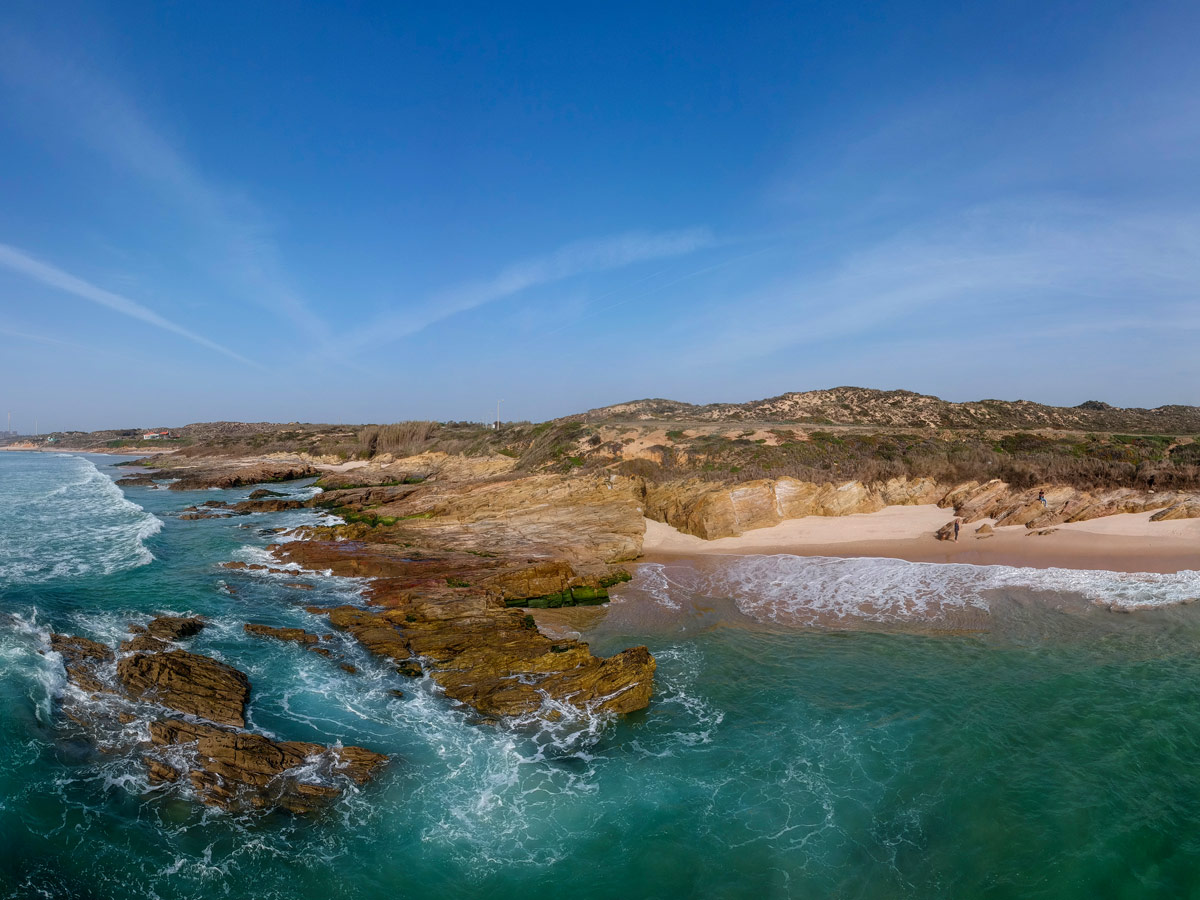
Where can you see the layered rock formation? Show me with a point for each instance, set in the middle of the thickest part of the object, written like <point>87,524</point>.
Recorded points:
<point>712,510</point>
<point>231,475</point>
<point>225,765</point>
<point>241,770</point>
<point>188,683</point>
<point>589,521</point>
<point>1008,506</point>
<point>449,558</point>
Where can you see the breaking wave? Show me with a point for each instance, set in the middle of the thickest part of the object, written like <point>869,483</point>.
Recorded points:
<point>797,590</point>
<point>73,521</point>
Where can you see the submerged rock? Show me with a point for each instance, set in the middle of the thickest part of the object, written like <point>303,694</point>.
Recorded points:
<point>295,635</point>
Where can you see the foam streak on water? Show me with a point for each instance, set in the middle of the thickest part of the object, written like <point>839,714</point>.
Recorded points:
<point>65,519</point>
<point>799,590</point>
<point>1052,761</point>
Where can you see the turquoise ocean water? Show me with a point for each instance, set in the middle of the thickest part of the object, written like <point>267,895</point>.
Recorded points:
<point>821,728</point>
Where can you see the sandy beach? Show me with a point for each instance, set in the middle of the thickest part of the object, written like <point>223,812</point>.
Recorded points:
<point>1121,543</point>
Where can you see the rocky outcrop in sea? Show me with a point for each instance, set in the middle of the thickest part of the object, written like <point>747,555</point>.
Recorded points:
<point>193,709</point>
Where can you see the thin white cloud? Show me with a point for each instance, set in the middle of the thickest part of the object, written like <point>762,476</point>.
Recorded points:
<point>237,246</point>
<point>1040,265</point>
<point>569,261</point>
<point>24,264</point>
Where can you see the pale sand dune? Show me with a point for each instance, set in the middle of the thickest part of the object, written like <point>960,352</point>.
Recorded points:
<point>1124,543</point>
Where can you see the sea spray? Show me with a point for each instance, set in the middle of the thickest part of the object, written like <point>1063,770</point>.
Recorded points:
<point>824,591</point>
<point>65,519</point>
<point>773,762</point>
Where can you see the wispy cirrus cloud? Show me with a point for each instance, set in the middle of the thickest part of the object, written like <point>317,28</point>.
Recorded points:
<point>22,263</point>
<point>238,247</point>
<point>569,261</point>
<point>1044,265</point>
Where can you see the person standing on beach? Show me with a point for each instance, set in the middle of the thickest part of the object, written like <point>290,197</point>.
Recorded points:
<point>956,527</point>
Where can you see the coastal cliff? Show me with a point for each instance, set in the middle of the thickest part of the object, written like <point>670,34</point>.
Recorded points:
<point>713,511</point>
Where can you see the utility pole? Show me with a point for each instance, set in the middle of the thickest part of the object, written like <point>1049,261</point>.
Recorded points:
<point>498,402</point>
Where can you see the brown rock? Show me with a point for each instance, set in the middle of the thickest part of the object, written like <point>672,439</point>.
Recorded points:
<point>296,635</point>
<point>242,770</point>
<point>144,643</point>
<point>252,506</point>
<point>82,657</point>
<point>1189,509</point>
<point>712,511</point>
<point>175,628</point>
<point>373,631</point>
<point>225,476</point>
<point>188,683</point>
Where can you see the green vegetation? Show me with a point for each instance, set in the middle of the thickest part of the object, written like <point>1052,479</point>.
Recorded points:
<point>1088,462</point>
<point>457,582</point>
<point>582,595</point>
<point>352,516</point>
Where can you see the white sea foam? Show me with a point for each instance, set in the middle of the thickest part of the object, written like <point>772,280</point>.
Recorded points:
<point>814,590</point>
<point>66,520</point>
<point>25,653</point>
<point>655,581</point>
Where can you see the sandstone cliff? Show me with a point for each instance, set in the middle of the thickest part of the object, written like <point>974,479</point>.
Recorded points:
<point>712,511</point>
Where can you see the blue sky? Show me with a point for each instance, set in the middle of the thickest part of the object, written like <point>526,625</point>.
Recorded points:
<point>279,211</point>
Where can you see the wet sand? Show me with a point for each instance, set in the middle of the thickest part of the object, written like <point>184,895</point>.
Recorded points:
<point>1123,543</point>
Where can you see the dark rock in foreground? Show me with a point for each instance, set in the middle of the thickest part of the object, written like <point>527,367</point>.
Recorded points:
<point>175,628</point>
<point>239,770</point>
<point>187,682</point>
<point>226,766</point>
<point>81,658</point>
<point>498,663</point>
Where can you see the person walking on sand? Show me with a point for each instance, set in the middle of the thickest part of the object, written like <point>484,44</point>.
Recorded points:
<point>956,527</point>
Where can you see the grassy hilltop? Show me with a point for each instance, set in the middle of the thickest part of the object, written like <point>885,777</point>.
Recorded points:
<point>820,436</point>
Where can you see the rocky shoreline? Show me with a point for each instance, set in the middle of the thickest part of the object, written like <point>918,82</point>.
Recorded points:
<point>459,554</point>
<point>192,708</point>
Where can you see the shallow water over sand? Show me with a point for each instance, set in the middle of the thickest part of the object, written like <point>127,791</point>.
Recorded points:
<point>851,729</point>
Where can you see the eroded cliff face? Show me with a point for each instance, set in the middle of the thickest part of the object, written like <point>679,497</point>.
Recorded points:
<point>590,521</point>
<point>712,510</point>
<point>997,500</point>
